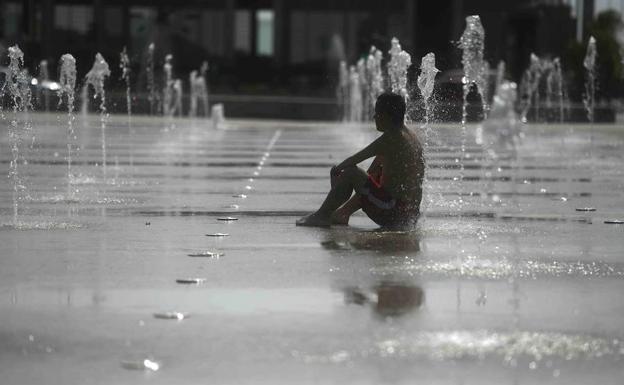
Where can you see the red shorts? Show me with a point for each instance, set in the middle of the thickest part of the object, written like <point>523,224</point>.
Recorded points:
<point>381,207</point>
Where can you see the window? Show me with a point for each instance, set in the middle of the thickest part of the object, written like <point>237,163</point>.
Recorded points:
<point>74,18</point>
<point>264,32</point>
<point>242,31</point>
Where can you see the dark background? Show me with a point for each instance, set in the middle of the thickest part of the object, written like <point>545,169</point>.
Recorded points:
<point>269,50</point>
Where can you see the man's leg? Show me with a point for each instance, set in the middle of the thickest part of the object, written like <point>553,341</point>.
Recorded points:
<point>352,178</point>
<point>343,213</point>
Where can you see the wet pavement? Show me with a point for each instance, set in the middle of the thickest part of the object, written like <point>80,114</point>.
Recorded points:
<point>183,265</point>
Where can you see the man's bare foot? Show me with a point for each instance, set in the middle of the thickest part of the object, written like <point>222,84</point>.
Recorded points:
<point>338,218</point>
<point>314,220</point>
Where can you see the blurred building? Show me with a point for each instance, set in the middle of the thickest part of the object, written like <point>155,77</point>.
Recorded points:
<point>283,46</point>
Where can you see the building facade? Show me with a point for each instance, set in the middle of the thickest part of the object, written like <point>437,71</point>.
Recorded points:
<point>283,46</point>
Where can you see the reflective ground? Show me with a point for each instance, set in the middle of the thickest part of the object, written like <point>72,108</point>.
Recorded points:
<point>502,282</point>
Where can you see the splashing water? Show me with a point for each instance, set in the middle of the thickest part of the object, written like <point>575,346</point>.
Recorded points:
<point>193,92</point>
<point>502,121</point>
<point>151,86</point>
<point>342,92</point>
<point>530,87</point>
<point>590,84</point>
<point>95,77</point>
<point>124,65</point>
<point>557,87</point>
<point>168,85</point>
<point>364,86</point>
<point>375,76</point>
<point>426,82</point>
<point>355,95</point>
<point>177,100</point>
<point>18,88</point>
<point>397,68</point>
<point>472,44</point>
<point>203,70</point>
<point>67,80</point>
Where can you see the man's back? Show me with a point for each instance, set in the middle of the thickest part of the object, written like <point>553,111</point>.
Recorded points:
<point>403,166</point>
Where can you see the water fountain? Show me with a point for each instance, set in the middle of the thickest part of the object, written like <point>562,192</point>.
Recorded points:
<point>342,91</point>
<point>18,88</point>
<point>67,81</point>
<point>397,68</point>
<point>426,83</point>
<point>364,88</point>
<point>168,85</point>
<point>178,92</point>
<point>558,88</point>
<point>355,96</point>
<point>199,91</point>
<point>375,76</point>
<point>589,98</point>
<point>96,77</point>
<point>44,79</point>
<point>194,96</point>
<point>472,44</point>
<point>151,86</point>
<point>530,87</point>
<point>124,65</point>
<point>203,70</point>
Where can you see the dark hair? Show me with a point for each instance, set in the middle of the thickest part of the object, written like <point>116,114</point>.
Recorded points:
<point>393,105</point>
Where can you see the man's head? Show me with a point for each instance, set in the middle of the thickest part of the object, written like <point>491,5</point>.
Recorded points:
<point>389,111</point>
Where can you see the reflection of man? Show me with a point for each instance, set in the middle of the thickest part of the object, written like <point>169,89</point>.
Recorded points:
<point>393,299</point>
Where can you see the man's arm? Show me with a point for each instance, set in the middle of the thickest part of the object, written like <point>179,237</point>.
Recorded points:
<point>369,151</point>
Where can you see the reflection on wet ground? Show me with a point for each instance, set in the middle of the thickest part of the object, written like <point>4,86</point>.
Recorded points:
<point>503,280</point>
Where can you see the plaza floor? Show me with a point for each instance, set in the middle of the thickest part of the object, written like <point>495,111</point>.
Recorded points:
<point>503,281</point>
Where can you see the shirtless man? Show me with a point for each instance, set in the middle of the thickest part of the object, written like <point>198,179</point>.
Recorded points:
<point>391,191</point>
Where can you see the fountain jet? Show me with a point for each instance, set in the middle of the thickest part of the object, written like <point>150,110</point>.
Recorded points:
<point>67,81</point>
<point>375,76</point>
<point>168,85</point>
<point>95,77</point>
<point>426,82</point>
<point>151,87</point>
<point>589,99</point>
<point>124,65</point>
<point>397,68</point>
<point>472,44</point>
<point>18,88</point>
